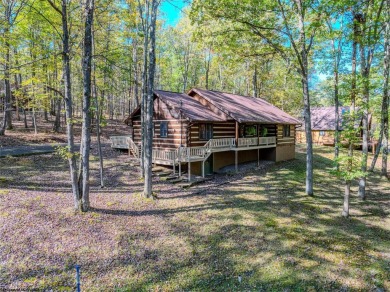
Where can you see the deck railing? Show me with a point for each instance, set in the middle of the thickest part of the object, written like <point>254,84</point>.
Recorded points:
<point>192,153</point>
<point>119,142</point>
<point>133,147</point>
<point>164,154</point>
<point>221,143</point>
<point>246,142</point>
<point>267,140</point>
<point>186,153</point>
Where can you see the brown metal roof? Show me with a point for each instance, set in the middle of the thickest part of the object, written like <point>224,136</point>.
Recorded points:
<point>323,118</point>
<point>246,109</point>
<point>190,108</point>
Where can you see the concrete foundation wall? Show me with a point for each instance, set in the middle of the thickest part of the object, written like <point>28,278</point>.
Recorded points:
<point>285,152</point>
<point>221,159</point>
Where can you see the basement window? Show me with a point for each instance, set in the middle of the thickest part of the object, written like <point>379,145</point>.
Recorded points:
<point>286,131</point>
<point>163,129</point>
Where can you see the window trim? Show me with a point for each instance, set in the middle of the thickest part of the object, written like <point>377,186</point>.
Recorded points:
<point>166,132</point>
<point>207,131</point>
<point>286,133</point>
<point>256,129</point>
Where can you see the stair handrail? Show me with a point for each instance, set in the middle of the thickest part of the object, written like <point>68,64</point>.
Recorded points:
<point>133,147</point>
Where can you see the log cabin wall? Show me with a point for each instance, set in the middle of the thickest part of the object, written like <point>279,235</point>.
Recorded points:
<point>322,137</point>
<point>281,140</point>
<point>271,130</point>
<point>174,138</point>
<point>220,130</point>
<point>318,138</point>
<point>285,146</point>
<point>177,128</point>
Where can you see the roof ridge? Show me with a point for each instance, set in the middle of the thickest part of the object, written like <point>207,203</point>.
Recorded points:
<point>217,106</point>
<point>169,91</point>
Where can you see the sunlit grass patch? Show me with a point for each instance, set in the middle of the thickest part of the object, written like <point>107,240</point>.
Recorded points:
<point>4,192</point>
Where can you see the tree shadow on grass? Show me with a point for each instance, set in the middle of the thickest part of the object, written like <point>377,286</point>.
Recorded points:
<point>257,233</point>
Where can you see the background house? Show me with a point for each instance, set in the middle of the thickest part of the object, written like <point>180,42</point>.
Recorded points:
<point>323,125</point>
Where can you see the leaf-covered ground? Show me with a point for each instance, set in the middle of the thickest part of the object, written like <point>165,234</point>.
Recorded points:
<point>21,136</point>
<point>258,232</point>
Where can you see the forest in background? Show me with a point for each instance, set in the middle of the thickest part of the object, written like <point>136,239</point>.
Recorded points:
<point>104,59</point>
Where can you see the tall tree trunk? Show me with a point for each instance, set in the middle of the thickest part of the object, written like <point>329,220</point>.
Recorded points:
<point>98,129</point>
<point>57,101</point>
<point>304,71</point>
<point>68,102</point>
<point>149,104</point>
<point>145,25</point>
<point>7,118</point>
<point>255,89</point>
<point>86,114</point>
<point>25,118</point>
<point>336,61</point>
<point>98,135</point>
<point>7,79</point>
<point>365,74</point>
<point>337,116</point>
<point>135,74</point>
<point>385,101</point>
<point>208,62</point>
<point>351,141</point>
<point>347,193</point>
<point>309,138</point>
<point>17,86</point>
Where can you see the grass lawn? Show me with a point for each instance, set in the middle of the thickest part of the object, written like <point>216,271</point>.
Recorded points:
<point>259,232</point>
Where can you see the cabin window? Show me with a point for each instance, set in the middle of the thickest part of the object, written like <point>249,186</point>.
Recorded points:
<point>250,131</point>
<point>286,131</point>
<point>163,129</point>
<point>205,131</point>
<point>322,133</point>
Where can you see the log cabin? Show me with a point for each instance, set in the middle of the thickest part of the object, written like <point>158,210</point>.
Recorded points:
<point>206,130</point>
<point>323,125</point>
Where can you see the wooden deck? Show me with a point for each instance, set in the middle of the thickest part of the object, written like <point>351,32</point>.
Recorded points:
<point>199,153</point>
<point>194,154</point>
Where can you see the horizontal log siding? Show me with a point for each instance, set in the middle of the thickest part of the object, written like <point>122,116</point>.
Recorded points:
<point>220,130</point>
<point>172,141</point>
<point>280,140</point>
<point>271,130</point>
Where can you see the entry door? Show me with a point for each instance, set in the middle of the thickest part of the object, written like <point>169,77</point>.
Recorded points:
<point>208,165</point>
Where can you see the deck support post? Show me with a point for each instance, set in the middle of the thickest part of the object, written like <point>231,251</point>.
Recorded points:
<point>258,157</point>
<point>174,167</point>
<point>203,168</point>
<point>236,160</point>
<point>179,168</point>
<point>189,170</point>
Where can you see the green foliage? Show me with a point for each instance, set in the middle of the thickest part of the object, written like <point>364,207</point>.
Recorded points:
<point>263,132</point>
<point>348,168</point>
<point>64,152</point>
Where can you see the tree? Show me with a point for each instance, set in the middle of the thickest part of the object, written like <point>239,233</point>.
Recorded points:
<point>86,117</point>
<point>369,24</point>
<point>287,28</point>
<point>384,124</point>
<point>71,155</point>
<point>10,10</point>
